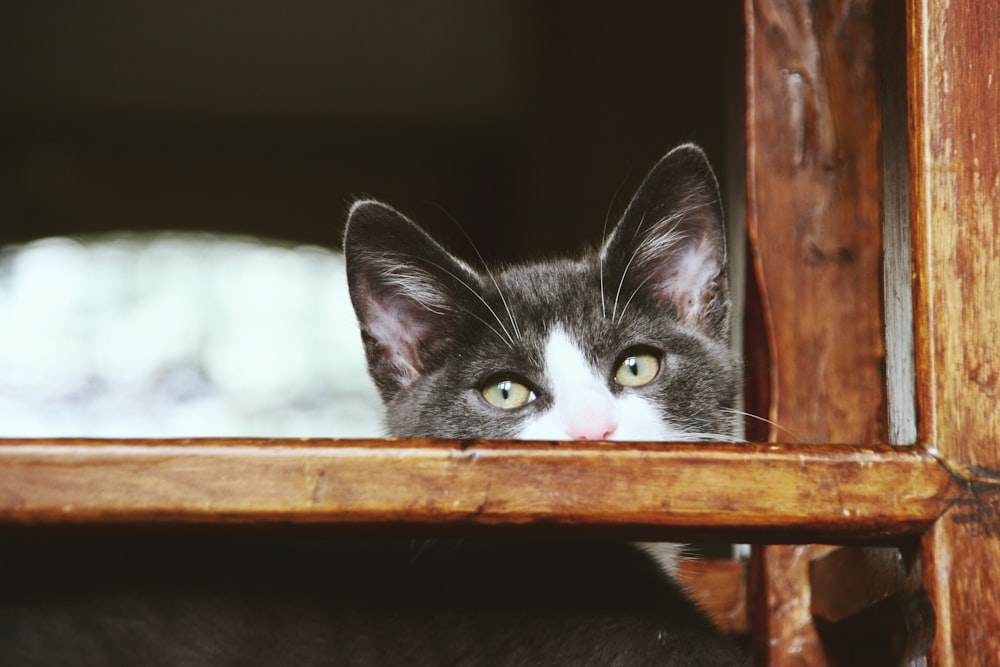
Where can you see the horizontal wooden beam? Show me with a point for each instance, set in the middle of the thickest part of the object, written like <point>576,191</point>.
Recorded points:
<point>753,492</point>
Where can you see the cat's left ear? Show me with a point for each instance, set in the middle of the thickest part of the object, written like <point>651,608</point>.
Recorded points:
<point>670,244</point>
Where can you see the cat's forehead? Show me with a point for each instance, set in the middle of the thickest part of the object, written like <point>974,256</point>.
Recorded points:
<point>547,290</point>
<point>555,291</point>
<point>575,297</point>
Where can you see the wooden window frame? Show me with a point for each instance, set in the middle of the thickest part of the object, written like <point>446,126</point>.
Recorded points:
<point>942,493</point>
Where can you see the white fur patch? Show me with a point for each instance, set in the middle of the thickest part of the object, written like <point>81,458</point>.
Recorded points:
<point>583,406</point>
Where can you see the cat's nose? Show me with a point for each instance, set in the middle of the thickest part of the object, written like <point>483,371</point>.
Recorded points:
<point>589,414</point>
<point>595,427</point>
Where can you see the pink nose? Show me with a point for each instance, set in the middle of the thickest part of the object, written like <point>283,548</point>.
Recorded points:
<point>589,414</point>
<point>593,427</point>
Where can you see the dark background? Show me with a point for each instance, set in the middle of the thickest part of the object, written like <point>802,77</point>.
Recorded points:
<point>520,120</point>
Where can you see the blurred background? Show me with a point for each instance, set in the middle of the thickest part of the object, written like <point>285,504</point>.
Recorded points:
<point>249,127</point>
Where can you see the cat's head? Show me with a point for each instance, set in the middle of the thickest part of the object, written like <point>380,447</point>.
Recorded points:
<point>627,343</point>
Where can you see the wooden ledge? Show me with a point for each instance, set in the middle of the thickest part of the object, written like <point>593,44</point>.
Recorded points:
<point>706,491</point>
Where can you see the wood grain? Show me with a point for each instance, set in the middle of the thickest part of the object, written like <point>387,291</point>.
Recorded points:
<point>766,492</point>
<point>814,198</point>
<point>814,201</point>
<point>955,79</point>
<point>783,629</point>
<point>954,97</point>
<point>897,262</point>
<point>814,219</point>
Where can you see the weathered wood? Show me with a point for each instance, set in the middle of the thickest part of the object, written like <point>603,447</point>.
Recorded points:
<point>962,576</point>
<point>813,214</point>
<point>955,80</point>
<point>897,271</point>
<point>766,492</point>
<point>954,96</point>
<point>783,629</point>
<point>814,200</point>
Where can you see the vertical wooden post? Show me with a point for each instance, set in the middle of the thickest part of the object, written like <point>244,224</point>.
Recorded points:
<point>814,202</point>
<point>954,97</point>
<point>814,189</point>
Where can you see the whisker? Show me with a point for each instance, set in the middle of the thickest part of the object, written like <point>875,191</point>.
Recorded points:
<point>604,235</point>
<point>489,326</point>
<point>621,281</point>
<point>397,277</point>
<point>503,300</point>
<point>669,240</point>
<point>706,436</point>
<point>486,267</point>
<point>631,296</point>
<point>663,241</point>
<point>409,287</point>
<point>509,339</point>
<point>762,419</point>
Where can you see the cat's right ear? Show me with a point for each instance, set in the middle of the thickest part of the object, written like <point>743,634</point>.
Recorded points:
<point>405,289</point>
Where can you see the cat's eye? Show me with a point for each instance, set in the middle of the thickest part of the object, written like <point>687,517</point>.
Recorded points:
<point>637,369</point>
<point>508,394</point>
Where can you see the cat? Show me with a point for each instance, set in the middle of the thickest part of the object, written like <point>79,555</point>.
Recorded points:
<point>628,343</point>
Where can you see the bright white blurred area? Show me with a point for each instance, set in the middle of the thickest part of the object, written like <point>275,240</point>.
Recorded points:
<point>179,335</point>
